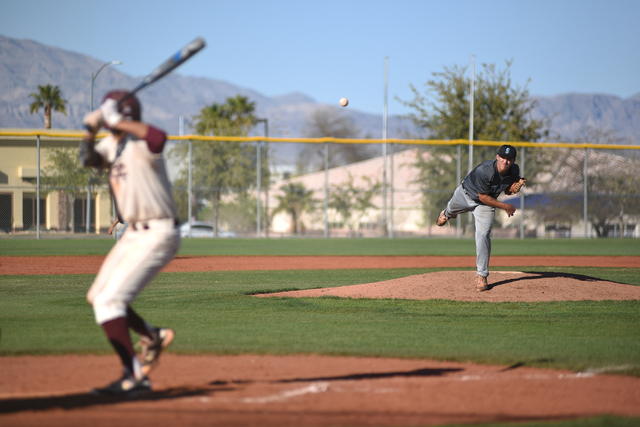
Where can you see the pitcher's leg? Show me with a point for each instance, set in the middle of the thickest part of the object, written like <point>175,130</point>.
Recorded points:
<point>459,203</point>
<point>484,216</point>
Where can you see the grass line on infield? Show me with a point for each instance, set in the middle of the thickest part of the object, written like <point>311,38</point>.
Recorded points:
<point>213,312</point>
<point>345,247</point>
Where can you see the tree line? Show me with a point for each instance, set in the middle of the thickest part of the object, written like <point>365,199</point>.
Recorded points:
<point>502,112</point>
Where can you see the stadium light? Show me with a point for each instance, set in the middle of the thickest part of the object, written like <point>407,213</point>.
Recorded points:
<point>93,77</point>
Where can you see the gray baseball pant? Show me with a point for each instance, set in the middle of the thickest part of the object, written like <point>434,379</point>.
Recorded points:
<point>484,215</point>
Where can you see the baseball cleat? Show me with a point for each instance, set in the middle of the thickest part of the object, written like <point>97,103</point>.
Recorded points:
<point>442,219</point>
<point>481,284</point>
<point>127,385</point>
<point>151,349</point>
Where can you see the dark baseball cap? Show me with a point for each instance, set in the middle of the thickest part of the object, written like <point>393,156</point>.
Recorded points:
<point>507,152</point>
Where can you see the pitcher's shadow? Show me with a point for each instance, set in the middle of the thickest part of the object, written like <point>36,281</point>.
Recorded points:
<point>548,275</point>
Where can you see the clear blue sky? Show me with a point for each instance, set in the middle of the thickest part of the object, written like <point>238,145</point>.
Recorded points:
<point>333,48</point>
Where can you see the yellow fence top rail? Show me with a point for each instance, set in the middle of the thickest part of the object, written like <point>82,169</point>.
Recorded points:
<point>78,134</point>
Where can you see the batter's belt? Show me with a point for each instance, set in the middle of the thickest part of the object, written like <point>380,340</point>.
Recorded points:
<point>156,224</point>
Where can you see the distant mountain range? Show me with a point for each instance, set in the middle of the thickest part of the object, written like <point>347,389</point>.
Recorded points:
<point>25,64</point>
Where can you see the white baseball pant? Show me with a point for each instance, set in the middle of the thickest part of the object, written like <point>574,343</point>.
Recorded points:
<point>132,263</point>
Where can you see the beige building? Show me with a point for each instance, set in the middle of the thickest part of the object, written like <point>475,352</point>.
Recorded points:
<point>63,194</point>
<point>543,216</point>
<point>403,204</point>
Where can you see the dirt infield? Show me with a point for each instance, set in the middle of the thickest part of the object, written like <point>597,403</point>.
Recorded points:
<point>304,391</point>
<point>313,390</point>
<point>90,264</point>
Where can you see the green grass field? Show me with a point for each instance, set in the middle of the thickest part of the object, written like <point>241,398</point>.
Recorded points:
<point>401,247</point>
<point>603,421</point>
<point>214,312</point>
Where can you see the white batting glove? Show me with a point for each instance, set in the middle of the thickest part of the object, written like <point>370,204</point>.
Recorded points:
<point>110,113</point>
<point>93,121</point>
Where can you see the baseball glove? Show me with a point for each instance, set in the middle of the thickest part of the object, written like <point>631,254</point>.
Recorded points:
<point>515,187</point>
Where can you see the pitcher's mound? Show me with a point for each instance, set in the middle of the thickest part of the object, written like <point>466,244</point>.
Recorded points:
<point>505,286</point>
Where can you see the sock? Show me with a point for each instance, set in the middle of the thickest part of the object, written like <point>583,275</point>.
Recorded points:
<point>138,324</point>
<point>137,368</point>
<point>117,331</point>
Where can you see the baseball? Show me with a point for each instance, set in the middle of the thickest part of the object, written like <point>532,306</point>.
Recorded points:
<point>344,102</point>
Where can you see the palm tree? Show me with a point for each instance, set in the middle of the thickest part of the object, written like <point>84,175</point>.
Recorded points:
<point>295,201</point>
<point>211,120</point>
<point>223,166</point>
<point>240,111</point>
<point>51,99</point>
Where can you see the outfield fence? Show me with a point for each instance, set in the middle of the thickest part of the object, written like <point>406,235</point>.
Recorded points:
<point>240,187</point>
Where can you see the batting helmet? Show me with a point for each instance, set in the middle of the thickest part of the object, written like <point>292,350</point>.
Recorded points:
<point>130,108</point>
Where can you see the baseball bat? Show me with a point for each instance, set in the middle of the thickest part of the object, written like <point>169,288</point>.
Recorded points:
<point>180,57</point>
<point>165,68</point>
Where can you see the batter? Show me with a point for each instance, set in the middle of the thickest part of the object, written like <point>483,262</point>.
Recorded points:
<point>138,181</point>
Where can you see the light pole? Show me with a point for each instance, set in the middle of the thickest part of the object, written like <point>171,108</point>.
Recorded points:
<point>93,77</point>
<point>259,173</point>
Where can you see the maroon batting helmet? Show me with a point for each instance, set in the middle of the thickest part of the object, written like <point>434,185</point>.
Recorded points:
<point>130,108</point>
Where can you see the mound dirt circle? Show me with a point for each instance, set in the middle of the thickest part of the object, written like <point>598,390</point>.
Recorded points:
<point>460,286</point>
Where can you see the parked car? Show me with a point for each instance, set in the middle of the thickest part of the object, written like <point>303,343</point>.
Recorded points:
<point>202,229</point>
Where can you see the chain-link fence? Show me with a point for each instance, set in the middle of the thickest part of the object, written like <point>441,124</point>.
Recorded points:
<point>396,188</point>
<point>45,190</point>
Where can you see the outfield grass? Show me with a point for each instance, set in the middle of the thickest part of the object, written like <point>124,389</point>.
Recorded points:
<point>215,312</point>
<point>404,247</point>
<point>601,421</point>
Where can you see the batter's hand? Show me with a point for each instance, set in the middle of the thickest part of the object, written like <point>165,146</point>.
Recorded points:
<point>93,121</point>
<point>110,113</point>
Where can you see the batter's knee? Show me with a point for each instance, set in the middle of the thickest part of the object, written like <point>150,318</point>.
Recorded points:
<point>93,293</point>
<point>108,309</point>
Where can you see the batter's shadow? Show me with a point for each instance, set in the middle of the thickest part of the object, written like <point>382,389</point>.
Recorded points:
<point>425,372</point>
<point>548,275</point>
<point>353,377</point>
<point>84,400</point>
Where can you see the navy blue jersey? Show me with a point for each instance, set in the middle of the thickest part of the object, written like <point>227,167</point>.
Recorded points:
<point>485,178</point>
